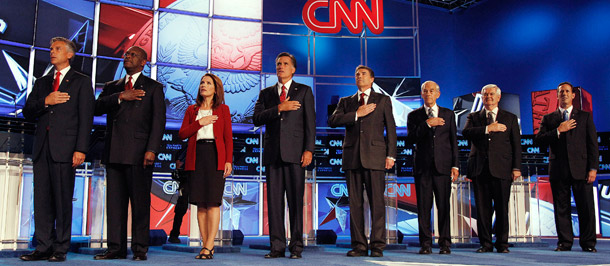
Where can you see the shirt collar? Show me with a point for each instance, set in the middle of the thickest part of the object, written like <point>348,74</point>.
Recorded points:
<point>63,71</point>
<point>569,109</point>
<point>494,111</point>
<point>287,84</point>
<point>134,77</point>
<point>434,107</point>
<point>367,92</point>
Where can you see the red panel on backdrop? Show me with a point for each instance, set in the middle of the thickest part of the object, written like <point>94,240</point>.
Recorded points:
<point>162,216</point>
<point>544,102</point>
<point>122,27</point>
<point>265,211</point>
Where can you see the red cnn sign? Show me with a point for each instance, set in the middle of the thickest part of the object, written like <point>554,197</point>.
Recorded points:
<point>338,11</point>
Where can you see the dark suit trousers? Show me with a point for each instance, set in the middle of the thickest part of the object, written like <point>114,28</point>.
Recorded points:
<point>492,194</point>
<point>289,179</point>
<point>127,183</point>
<point>373,181</point>
<point>53,192</point>
<point>583,197</point>
<point>427,182</point>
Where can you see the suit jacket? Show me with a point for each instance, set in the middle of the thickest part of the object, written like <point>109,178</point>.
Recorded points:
<point>503,149</point>
<point>223,135</point>
<point>289,134</point>
<point>439,143</point>
<point>69,124</point>
<point>364,139</point>
<point>577,147</point>
<point>132,127</point>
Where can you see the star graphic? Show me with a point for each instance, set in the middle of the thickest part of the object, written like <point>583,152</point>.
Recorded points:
<point>337,211</point>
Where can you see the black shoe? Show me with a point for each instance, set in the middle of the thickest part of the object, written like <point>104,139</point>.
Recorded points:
<point>561,247</point>
<point>503,250</point>
<point>590,249</point>
<point>295,255</point>
<point>109,255</point>
<point>57,257</point>
<point>275,255</point>
<point>376,253</point>
<point>425,250</point>
<point>34,256</point>
<point>139,256</point>
<point>174,239</point>
<point>485,250</point>
<point>357,253</point>
<point>445,250</point>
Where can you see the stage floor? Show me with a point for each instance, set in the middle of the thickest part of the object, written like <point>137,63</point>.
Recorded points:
<point>332,255</point>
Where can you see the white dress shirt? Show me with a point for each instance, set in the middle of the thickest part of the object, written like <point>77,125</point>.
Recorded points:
<point>205,132</point>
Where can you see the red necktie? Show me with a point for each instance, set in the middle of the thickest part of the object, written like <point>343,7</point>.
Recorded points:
<point>128,85</point>
<point>283,95</point>
<point>362,98</point>
<point>56,81</point>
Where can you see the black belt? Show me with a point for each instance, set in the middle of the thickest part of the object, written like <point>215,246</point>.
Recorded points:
<point>206,141</point>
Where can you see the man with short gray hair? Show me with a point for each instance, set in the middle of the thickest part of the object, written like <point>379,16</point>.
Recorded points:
<point>433,131</point>
<point>62,104</point>
<point>494,162</point>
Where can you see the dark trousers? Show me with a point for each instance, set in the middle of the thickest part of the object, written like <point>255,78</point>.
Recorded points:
<point>583,197</point>
<point>373,181</point>
<point>492,194</point>
<point>289,179</point>
<point>427,182</point>
<point>53,192</point>
<point>182,205</point>
<point>127,183</point>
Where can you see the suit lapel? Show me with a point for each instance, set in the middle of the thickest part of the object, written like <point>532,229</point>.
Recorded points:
<point>293,91</point>
<point>373,97</point>
<point>353,103</point>
<point>63,87</point>
<point>483,117</point>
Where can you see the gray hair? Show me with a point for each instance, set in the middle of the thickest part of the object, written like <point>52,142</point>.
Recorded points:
<point>489,86</point>
<point>71,46</point>
<point>423,85</point>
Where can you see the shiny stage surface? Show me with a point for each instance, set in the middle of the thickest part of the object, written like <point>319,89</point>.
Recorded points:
<point>333,255</point>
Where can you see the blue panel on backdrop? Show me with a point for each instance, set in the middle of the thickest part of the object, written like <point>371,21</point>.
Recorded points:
<point>275,44</point>
<point>241,92</point>
<point>183,39</point>
<point>245,213</point>
<point>337,56</point>
<point>604,206</point>
<point>72,19</point>
<point>14,63</point>
<point>77,205</point>
<point>17,20</point>
<point>181,86</point>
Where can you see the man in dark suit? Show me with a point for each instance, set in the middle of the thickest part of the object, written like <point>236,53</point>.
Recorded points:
<point>288,112</point>
<point>433,130</point>
<point>494,162</point>
<point>61,103</point>
<point>366,156</point>
<point>573,163</point>
<point>135,123</point>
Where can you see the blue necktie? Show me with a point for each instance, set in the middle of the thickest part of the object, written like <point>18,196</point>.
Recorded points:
<point>565,115</point>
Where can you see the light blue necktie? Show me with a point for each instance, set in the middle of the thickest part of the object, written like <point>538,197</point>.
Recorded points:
<point>565,115</point>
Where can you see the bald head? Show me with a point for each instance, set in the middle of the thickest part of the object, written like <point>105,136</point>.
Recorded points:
<point>430,91</point>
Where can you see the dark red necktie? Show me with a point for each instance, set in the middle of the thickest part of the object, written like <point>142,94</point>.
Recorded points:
<point>362,98</point>
<point>128,85</point>
<point>56,81</point>
<point>283,95</point>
